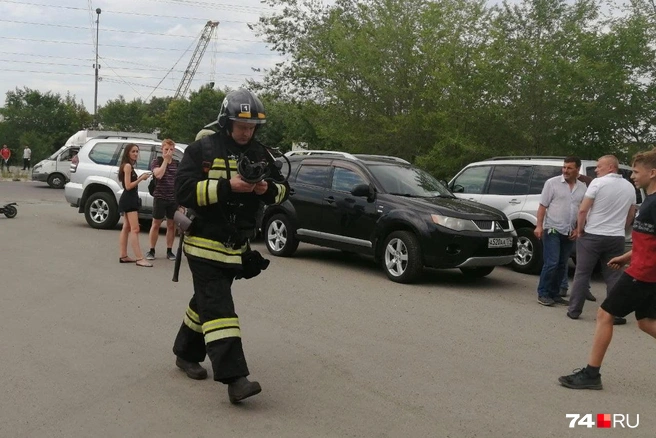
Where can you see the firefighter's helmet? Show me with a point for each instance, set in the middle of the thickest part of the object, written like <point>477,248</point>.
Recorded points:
<point>243,106</point>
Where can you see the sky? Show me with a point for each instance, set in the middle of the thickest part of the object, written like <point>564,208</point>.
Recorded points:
<point>144,46</point>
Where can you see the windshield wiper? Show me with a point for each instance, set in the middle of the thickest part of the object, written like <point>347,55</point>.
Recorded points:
<point>407,195</point>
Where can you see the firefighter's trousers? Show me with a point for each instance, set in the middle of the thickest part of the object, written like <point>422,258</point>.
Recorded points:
<point>210,325</point>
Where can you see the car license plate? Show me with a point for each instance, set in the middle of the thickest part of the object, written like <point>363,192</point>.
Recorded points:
<point>499,242</point>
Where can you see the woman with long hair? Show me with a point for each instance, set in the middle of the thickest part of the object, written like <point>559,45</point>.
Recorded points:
<point>129,206</point>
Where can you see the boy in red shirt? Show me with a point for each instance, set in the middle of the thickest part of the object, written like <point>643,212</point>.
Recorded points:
<point>635,291</point>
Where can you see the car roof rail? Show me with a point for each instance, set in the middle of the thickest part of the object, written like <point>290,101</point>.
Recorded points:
<point>526,157</point>
<point>125,137</point>
<point>383,157</point>
<point>320,152</point>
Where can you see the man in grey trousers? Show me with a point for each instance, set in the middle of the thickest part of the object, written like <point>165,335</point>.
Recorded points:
<point>608,208</point>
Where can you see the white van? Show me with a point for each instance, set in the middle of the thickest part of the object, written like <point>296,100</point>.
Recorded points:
<point>56,169</point>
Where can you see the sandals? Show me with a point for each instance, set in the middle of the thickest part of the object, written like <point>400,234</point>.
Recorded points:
<point>143,265</point>
<point>126,259</point>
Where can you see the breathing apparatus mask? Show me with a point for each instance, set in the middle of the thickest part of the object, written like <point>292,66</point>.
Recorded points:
<point>255,171</point>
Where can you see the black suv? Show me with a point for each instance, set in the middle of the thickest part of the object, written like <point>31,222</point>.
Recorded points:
<point>387,208</point>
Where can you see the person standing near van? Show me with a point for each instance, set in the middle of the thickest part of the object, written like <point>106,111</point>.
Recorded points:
<point>556,227</point>
<point>5,153</point>
<point>27,156</point>
<point>606,211</point>
<point>129,205</point>
<point>164,205</point>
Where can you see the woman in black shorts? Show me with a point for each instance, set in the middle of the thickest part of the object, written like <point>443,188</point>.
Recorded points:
<point>128,205</point>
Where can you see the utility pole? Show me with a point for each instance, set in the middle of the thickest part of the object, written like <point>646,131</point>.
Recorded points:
<point>96,67</point>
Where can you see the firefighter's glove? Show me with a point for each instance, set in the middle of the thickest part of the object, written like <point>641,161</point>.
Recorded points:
<point>252,264</point>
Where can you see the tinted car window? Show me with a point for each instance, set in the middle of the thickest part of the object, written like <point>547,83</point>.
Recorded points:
<point>103,153</point>
<point>143,162</point>
<point>472,180</point>
<point>314,175</point>
<point>344,179</point>
<point>540,175</point>
<point>509,180</point>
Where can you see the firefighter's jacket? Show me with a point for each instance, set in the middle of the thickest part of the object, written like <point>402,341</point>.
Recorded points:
<point>225,220</point>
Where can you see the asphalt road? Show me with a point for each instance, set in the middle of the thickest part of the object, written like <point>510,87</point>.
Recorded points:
<point>340,350</point>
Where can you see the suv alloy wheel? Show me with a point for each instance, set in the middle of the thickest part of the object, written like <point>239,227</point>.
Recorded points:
<point>528,258</point>
<point>402,257</point>
<point>101,211</point>
<point>279,236</point>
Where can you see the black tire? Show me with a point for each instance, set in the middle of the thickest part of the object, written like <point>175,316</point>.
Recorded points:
<point>57,181</point>
<point>11,211</point>
<point>528,258</point>
<point>478,272</point>
<point>398,246</point>
<point>280,236</point>
<point>101,211</point>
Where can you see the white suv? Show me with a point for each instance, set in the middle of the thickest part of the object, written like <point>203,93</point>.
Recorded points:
<point>94,188</point>
<point>513,185</point>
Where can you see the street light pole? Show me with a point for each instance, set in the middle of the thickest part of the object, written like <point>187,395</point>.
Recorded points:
<point>96,67</point>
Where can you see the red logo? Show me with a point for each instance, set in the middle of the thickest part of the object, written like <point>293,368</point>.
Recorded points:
<point>603,420</point>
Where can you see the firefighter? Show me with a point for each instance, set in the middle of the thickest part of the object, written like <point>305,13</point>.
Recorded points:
<point>224,208</point>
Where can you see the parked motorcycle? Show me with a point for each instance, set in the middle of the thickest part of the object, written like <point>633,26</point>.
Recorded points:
<point>9,210</point>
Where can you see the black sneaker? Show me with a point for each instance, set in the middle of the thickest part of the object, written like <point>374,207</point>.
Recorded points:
<point>242,388</point>
<point>590,297</point>
<point>192,369</point>
<point>546,301</point>
<point>150,255</point>
<point>581,380</point>
<point>563,292</point>
<point>618,320</point>
<point>560,300</point>
<point>170,255</point>
<point>570,316</point>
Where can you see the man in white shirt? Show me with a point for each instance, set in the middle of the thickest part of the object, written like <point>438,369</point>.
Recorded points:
<point>556,227</point>
<point>27,156</point>
<point>607,210</point>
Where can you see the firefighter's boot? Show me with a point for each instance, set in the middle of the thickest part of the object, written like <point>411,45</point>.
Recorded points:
<point>192,369</point>
<point>242,388</point>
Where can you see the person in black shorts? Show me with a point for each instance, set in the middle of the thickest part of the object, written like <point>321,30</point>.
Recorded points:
<point>635,291</point>
<point>164,205</point>
<point>129,206</point>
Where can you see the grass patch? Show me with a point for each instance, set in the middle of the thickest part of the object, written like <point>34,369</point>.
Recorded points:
<point>15,173</point>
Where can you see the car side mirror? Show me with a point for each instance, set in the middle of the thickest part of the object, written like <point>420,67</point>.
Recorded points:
<point>364,190</point>
<point>457,188</point>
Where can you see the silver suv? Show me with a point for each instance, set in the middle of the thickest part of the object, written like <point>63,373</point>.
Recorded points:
<point>94,188</point>
<point>513,185</point>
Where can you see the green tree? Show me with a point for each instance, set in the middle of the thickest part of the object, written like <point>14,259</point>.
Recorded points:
<point>44,120</point>
<point>184,118</point>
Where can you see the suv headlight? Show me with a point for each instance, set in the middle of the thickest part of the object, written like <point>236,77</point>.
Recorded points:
<point>454,223</point>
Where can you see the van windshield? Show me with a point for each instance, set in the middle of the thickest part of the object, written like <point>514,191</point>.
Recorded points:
<point>54,156</point>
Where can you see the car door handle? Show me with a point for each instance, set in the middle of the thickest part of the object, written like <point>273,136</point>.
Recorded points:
<point>329,199</point>
<point>514,201</point>
<point>471,199</point>
<point>291,191</point>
